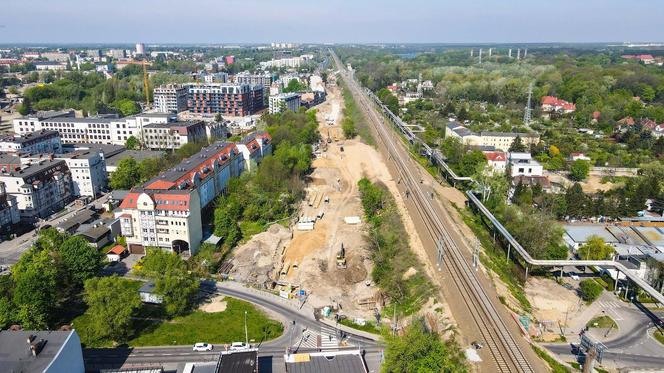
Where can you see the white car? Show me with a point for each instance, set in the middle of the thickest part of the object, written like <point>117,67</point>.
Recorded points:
<point>202,347</point>
<point>238,346</point>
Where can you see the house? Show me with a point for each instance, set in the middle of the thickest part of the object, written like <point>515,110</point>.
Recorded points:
<point>41,351</point>
<point>523,164</point>
<point>243,361</point>
<point>497,140</point>
<point>98,236</point>
<point>645,58</point>
<point>552,104</point>
<point>148,295</point>
<point>497,160</point>
<point>116,253</point>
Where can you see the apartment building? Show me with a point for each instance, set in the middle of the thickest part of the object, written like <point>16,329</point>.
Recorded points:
<point>496,140</point>
<point>9,214</point>
<point>41,188</point>
<point>123,128</point>
<point>43,141</point>
<point>254,147</point>
<point>226,99</point>
<point>283,102</point>
<point>50,66</point>
<point>264,79</point>
<point>164,136</point>
<point>170,98</point>
<point>523,164</point>
<point>88,172</point>
<point>166,211</point>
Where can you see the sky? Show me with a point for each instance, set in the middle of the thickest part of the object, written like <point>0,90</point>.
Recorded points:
<point>329,21</point>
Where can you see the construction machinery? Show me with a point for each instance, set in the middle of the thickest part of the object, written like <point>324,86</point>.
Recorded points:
<point>341,257</point>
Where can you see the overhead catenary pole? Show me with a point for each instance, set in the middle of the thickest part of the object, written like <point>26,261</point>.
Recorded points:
<point>246,334</point>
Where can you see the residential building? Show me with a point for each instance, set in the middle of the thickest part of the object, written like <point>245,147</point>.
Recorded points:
<point>170,98</point>
<point>283,102</point>
<point>254,147</point>
<point>647,59</point>
<point>166,211</point>
<point>498,140</point>
<point>243,361</point>
<point>50,66</point>
<point>229,60</point>
<point>578,156</point>
<point>41,188</point>
<point>124,128</point>
<point>218,77</point>
<point>497,161</point>
<point>72,130</point>
<point>9,214</point>
<point>347,361</point>
<point>316,83</point>
<point>265,79</point>
<point>140,49</point>
<point>88,172</point>
<point>117,53</point>
<point>163,136</point>
<point>56,56</point>
<point>311,99</point>
<point>41,351</point>
<point>42,141</point>
<point>293,62</point>
<point>523,164</point>
<point>552,104</point>
<point>226,99</point>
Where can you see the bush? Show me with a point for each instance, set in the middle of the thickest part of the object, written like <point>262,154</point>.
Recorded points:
<point>590,290</point>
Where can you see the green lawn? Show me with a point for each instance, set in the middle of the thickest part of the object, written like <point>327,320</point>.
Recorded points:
<point>218,327</point>
<point>249,229</point>
<point>368,327</point>
<point>555,366</point>
<point>602,322</point>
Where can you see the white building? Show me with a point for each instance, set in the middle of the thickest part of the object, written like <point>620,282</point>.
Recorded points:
<point>140,49</point>
<point>50,66</point>
<point>498,140</point>
<point>283,102</point>
<point>43,141</point>
<point>497,161</point>
<point>254,147</point>
<point>9,214</point>
<point>171,98</point>
<point>316,83</point>
<point>523,164</point>
<point>40,189</point>
<point>88,172</point>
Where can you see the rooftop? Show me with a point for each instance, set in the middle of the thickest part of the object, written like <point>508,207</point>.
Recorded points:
<point>138,155</point>
<point>238,362</point>
<point>581,233</point>
<point>29,137</point>
<point>15,354</point>
<point>37,168</point>
<point>75,221</point>
<point>326,362</point>
<point>107,150</point>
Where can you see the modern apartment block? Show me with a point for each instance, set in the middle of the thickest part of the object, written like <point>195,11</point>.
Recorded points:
<point>88,172</point>
<point>283,102</point>
<point>171,98</point>
<point>173,135</point>
<point>41,188</point>
<point>265,79</point>
<point>254,147</point>
<point>166,211</point>
<point>226,99</point>
<point>9,214</point>
<point>43,141</point>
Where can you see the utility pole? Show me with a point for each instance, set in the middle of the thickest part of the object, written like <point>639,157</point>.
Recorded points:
<point>246,335</point>
<point>528,112</point>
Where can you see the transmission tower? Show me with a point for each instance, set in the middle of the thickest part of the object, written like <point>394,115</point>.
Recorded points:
<point>528,112</point>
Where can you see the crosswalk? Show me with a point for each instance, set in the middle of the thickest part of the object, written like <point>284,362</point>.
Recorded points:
<point>611,308</point>
<point>325,338</point>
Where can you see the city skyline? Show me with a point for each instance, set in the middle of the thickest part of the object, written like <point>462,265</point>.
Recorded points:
<point>340,21</point>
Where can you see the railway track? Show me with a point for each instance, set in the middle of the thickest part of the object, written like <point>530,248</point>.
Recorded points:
<point>506,353</point>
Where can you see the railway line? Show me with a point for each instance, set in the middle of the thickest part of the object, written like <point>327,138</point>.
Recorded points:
<point>505,351</point>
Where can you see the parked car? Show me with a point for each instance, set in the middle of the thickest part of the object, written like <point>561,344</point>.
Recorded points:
<point>238,346</point>
<point>202,347</point>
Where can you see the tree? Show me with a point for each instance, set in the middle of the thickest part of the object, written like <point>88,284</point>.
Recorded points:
<point>6,312</point>
<point>419,350</point>
<point>576,201</point>
<point>126,175</point>
<point>348,127</point>
<point>36,280</point>
<point>26,106</point>
<point>179,290</point>
<point>590,290</point>
<point>595,249</point>
<point>132,143</point>
<point>50,239</point>
<point>471,163</point>
<point>80,260</point>
<point>373,197</point>
<point>294,85</point>
<point>517,145</point>
<point>127,107</point>
<point>160,262</point>
<point>112,302</point>
<point>579,170</point>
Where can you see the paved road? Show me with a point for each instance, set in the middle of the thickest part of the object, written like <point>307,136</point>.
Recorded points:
<point>174,357</point>
<point>616,359</point>
<point>10,251</point>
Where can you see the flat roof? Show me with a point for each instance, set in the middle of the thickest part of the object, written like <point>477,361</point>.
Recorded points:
<point>326,362</point>
<point>627,235</point>
<point>107,150</point>
<point>31,136</point>
<point>81,120</point>
<point>79,218</point>
<point>581,233</point>
<point>36,168</point>
<point>238,362</point>
<point>653,235</point>
<point>15,354</point>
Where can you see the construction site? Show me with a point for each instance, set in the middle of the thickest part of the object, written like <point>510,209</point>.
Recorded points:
<point>322,255</point>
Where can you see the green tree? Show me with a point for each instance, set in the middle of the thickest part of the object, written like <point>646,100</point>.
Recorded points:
<point>112,302</point>
<point>126,176</point>
<point>590,290</point>
<point>595,249</point>
<point>132,143</point>
<point>517,145</point>
<point>80,260</point>
<point>127,107</point>
<point>6,312</point>
<point>36,281</point>
<point>26,106</point>
<point>579,170</point>
<point>50,239</point>
<point>348,127</point>
<point>294,85</point>
<point>576,201</point>
<point>419,350</point>
<point>471,163</point>
<point>179,290</point>
<point>160,262</point>
<point>373,197</point>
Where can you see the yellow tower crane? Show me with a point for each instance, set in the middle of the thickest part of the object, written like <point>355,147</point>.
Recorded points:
<point>146,86</point>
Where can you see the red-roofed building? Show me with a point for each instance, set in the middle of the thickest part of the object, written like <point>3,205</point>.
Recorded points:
<point>497,160</point>
<point>645,58</point>
<point>552,104</point>
<point>166,211</point>
<point>116,253</point>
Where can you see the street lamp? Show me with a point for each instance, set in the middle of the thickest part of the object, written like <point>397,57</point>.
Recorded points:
<point>246,335</point>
